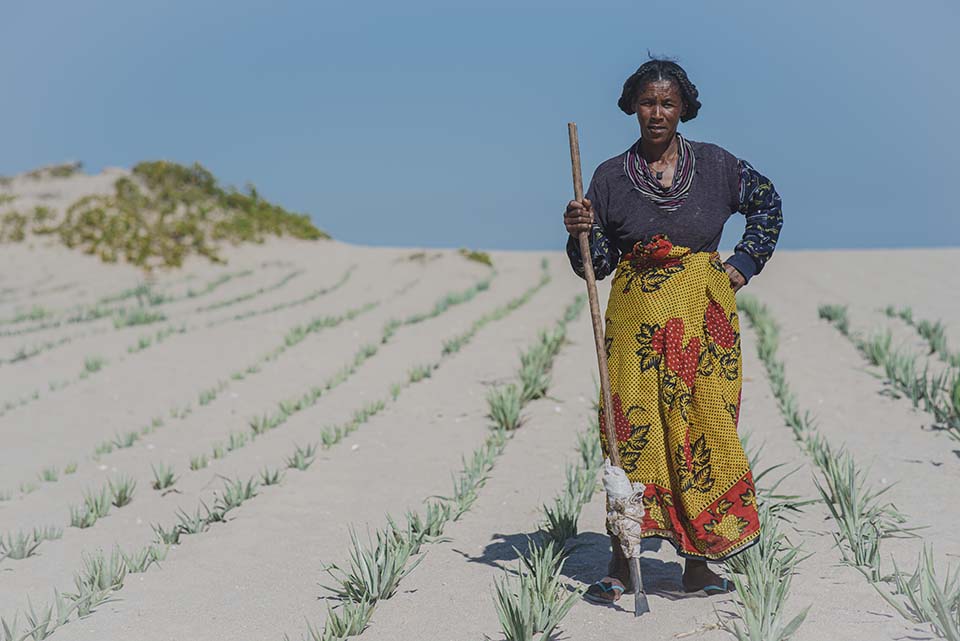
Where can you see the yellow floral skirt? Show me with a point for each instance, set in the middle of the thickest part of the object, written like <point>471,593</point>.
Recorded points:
<point>673,353</point>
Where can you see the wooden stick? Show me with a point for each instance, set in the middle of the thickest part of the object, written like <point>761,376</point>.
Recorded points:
<point>640,603</point>
<point>609,427</point>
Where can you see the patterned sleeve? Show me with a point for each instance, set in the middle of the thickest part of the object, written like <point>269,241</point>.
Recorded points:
<point>603,253</point>
<point>603,249</point>
<point>760,203</point>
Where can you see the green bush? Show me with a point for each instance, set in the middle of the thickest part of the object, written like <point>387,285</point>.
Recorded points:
<point>161,214</point>
<point>478,256</point>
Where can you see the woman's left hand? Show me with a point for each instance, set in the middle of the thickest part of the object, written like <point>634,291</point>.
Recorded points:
<point>736,278</point>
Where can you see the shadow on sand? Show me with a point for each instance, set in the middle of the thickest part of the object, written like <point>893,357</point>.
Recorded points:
<point>589,553</point>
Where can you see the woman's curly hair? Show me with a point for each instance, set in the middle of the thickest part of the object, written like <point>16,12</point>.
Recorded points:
<point>658,69</point>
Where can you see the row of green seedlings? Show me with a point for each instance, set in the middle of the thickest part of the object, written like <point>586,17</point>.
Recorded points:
<point>763,573</point>
<point>35,313</point>
<point>146,294</point>
<point>453,345</point>
<point>36,291</point>
<point>91,365</point>
<point>266,422</point>
<point>208,395</point>
<point>205,397</point>
<point>101,576</point>
<point>147,341</point>
<point>919,596</point>
<point>143,316</point>
<point>863,517</point>
<point>123,316</point>
<point>236,492</point>
<point>934,333</point>
<point>95,506</point>
<point>51,474</point>
<point>312,296</point>
<point>252,294</point>
<point>938,393</point>
<point>24,353</point>
<point>24,544</point>
<point>534,600</point>
<point>83,316</point>
<point>143,292</point>
<point>164,477</point>
<point>376,568</point>
<point>333,434</point>
<point>48,474</point>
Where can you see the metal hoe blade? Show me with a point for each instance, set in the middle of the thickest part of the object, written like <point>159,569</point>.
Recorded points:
<point>640,605</point>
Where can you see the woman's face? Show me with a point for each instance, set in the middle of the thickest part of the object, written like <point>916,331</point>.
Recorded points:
<point>658,108</point>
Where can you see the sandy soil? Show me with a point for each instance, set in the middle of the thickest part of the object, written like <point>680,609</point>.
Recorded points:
<point>259,575</point>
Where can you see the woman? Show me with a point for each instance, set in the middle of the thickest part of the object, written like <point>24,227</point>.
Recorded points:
<point>655,215</point>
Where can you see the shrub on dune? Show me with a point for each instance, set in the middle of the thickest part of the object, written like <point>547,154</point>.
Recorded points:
<point>161,214</point>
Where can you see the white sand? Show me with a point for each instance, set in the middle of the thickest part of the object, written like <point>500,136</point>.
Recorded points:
<point>258,576</point>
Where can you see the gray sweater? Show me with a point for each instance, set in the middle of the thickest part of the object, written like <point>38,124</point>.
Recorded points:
<point>722,185</point>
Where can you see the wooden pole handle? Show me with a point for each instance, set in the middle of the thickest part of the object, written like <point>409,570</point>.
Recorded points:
<point>583,237</point>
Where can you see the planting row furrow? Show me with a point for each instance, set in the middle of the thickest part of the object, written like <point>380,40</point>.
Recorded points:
<point>122,315</point>
<point>933,332</point>
<point>833,594</point>
<point>91,365</point>
<point>46,311</point>
<point>535,599</point>
<point>143,343</point>
<point>146,294</point>
<point>302,456</point>
<point>303,300</point>
<point>87,516</point>
<point>26,352</point>
<point>124,318</point>
<point>280,412</point>
<point>9,295</point>
<point>210,394</point>
<point>763,573</point>
<point>863,518</point>
<point>938,392</point>
<point>101,576</point>
<point>140,316</point>
<point>176,411</point>
<point>151,307</point>
<point>376,569</point>
<point>164,476</point>
<point>145,315</point>
<point>241,298</point>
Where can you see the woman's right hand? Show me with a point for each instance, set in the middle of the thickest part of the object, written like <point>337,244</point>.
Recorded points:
<point>578,217</point>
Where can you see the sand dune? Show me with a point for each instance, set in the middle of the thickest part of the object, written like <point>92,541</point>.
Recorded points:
<point>288,320</point>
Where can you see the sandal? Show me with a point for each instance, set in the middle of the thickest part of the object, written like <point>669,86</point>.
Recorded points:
<point>604,591</point>
<point>725,587</point>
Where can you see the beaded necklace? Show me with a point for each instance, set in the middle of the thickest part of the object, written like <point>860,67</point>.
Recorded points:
<point>667,198</point>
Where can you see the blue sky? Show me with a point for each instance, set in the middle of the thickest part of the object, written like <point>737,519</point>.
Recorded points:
<point>444,125</point>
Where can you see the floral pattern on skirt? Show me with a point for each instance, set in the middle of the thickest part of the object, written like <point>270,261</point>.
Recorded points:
<point>673,353</point>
